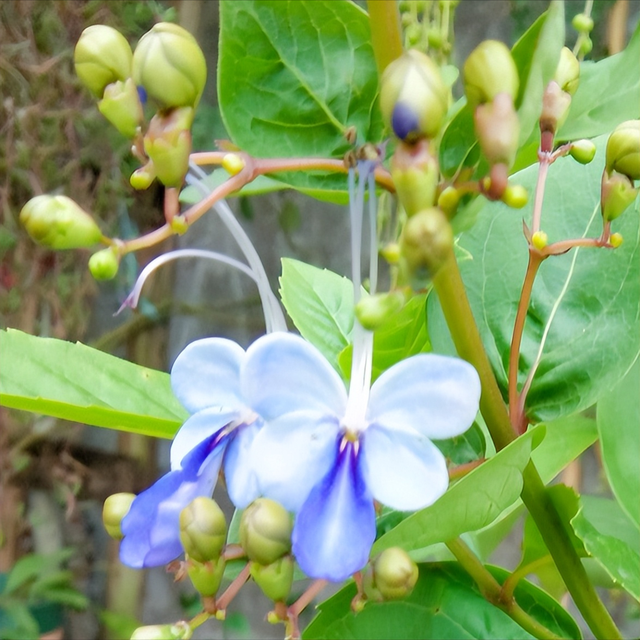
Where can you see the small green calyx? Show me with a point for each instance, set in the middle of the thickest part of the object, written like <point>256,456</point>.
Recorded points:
<point>203,529</point>
<point>583,151</point>
<point>121,107</point>
<point>515,196</point>
<point>274,579</point>
<point>616,195</point>
<point>102,56</point>
<point>415,176</point>
<point>170,65</point>
<point>373,311</point>
<point>115,508</point>
<point>555,107</point>
<point>488,71</point>
<point>58,222</point>
<point>206,577</point>
<point>391,576</point>
<point>623,150</point>
<point>413,97</point>
<point>104,264</point>
<point>178,631</point>
<point>265,531</point>
<point>498,128</point>
<point>568,71</point>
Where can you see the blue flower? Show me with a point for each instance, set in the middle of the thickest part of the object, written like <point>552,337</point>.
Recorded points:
<point>206,379</point>
<point>327,455</point>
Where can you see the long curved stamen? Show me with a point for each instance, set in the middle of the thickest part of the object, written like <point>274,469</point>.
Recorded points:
<point>274,317</point>
<point>132,299</point>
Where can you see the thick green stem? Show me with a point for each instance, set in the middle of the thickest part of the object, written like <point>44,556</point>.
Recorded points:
<point>386,35</point>
<point>466,337</point>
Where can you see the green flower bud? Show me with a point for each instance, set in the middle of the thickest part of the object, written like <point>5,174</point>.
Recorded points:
<point>104,264</point>
<point>206,577</point>
<point>515,196</point>
<point>426,241</point>
<point>623,149</point>
<point>391,252</point>
<point>265,531</point>
<point>498,128</point>
<point>615,240</point>
<point>168,144</point>
<point>586,45</point>
<point>555,107</point>
<point>583,151</point>
<point>372,311</point>
<point>59,223</point>
<point>115,508</point>
<point>102,56</point>
<point>143,177</point>
<point>488,71</point>
<point>203,529</point>
<point>448,200</point>
<point>582,23</point>
<point>391,576</point>
<point>170,65</point>
<point>121,107</point>
<point>616,194</point>
<point>413,97</point>
<point>568,71</point>
<point>539,240</point>
<point>415,176</point>
<point>178,631</point>
<point>274,579</point>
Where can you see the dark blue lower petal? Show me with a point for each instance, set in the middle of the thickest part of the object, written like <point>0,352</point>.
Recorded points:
<point>336,526</point>
<point>151,528</point>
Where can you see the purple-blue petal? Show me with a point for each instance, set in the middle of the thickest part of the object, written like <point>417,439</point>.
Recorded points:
<point>151,529</point>
<point>336,526</point>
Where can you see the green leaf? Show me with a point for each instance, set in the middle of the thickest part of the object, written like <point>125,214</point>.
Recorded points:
<point>464,448</point>
<point>608,94</point>
<point>403,335</point>
<point>74,382</point>
<point>445,603</point>
<point>459,146</point>
<point>618,420</point>
<point>585,304</point>
<point>612,539</point>
<point>17,622</point>
<point>310,66</point>
<point>320,303</point>
<point>473,502</point>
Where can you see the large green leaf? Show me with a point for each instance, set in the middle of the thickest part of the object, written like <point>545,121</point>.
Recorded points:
<point>74,382</point>
<point>608,94</point>
<point>618,421</point>
<point>585,304</point>
<point>473,502</point>
<point>445,603</point>
<point>309,68</point>
<point>320,304</point>
<point>612,539</point>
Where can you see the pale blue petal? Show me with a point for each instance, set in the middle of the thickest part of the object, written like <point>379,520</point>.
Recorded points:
<point>292,454</point>
<point>152,527</point>
<point>334,531</point>
<point>403,470</point>
<point>284,373</point>
<point>196,429</point>
<point>207,374</point>
<point>242,483</point>
<point>435,395</point>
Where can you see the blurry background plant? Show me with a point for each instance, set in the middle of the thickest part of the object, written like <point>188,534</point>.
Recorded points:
<point>53,477</point>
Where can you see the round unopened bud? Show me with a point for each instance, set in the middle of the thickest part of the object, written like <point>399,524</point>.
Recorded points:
<point>448,200</point>
<point>586,45</point>
<point>102,56</point>
<point>170,65</point>
<point>391,576</point>
<point>391,252</point>
<point>265,531</point>
<point>539,240</point>
<point>121,107</point>
<point>233,164</point>
<point>427,240</point>
<point>488,71</point>
<point>582,23</point>
<point>114,510</point>
<point>413,97</point>
<point>616,194</point>
<point>568,71</point>
<point>206,577</point>
<point>616,240</point>
<point>415,176</point>
<point>143,177</point>
<point>59,223</point>
<point>623,149</point>
<point>372,311</point>
<point>274,579</point>
<point>515,196</point>
<point>583,151</point>
<point>498,128</point>
<point>178,631</point>
<point>104,264</point>
<point>203,529</point>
